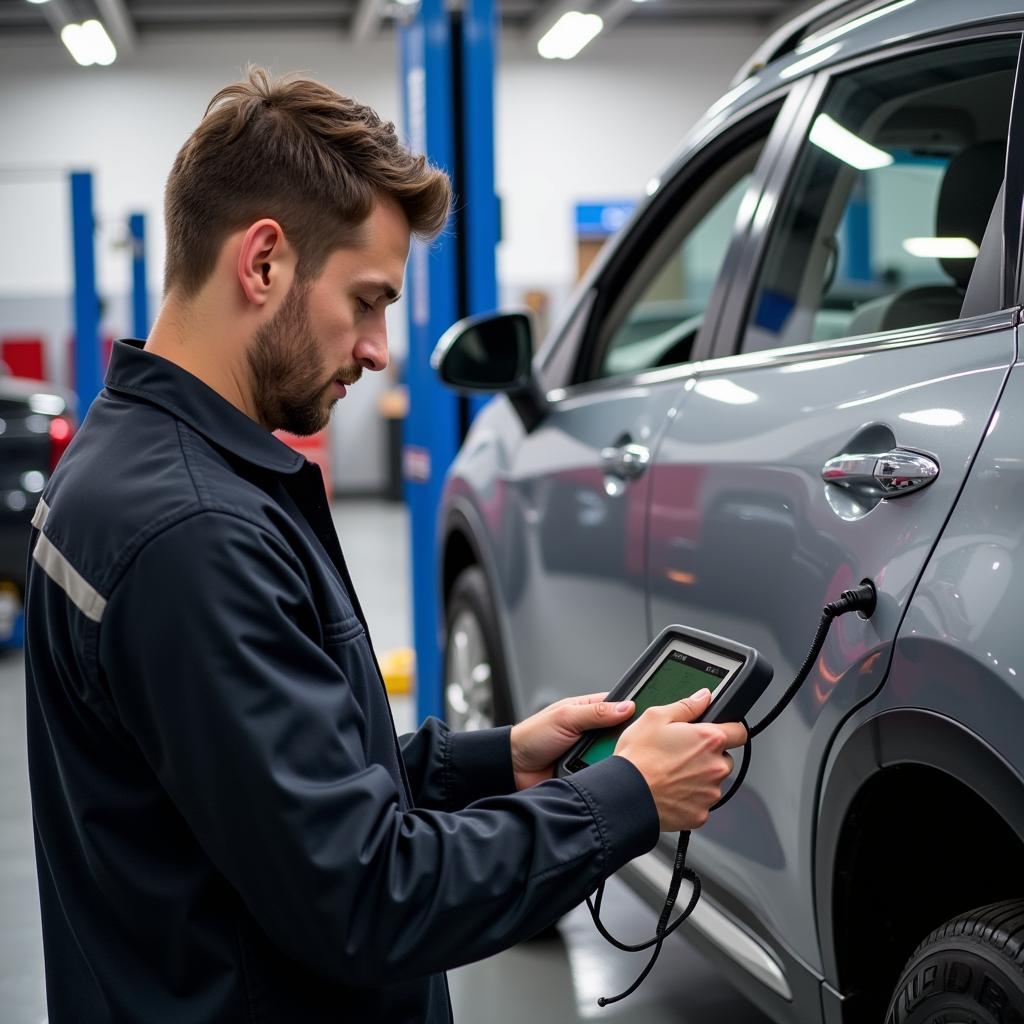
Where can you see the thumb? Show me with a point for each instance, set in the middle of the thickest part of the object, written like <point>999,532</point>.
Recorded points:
<point>601,715</point>
<point>692,707</point>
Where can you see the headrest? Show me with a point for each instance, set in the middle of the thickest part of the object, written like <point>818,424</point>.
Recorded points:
<point>969,189</point>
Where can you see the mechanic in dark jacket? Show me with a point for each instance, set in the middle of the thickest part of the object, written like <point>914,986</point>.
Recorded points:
<point>227,827</point>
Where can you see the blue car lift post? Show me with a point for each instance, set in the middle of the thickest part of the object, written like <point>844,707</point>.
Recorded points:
<point>447,63</point>
<point>88,375</point>
<point>140,295</point>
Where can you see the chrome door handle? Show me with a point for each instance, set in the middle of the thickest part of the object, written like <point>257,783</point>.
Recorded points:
<point>884,475</point>
<point>625,461</point>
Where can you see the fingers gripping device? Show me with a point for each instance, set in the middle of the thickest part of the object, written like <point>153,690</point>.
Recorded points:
<point>680,662</point>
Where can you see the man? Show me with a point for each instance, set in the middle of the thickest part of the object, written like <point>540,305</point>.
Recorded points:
<point>227,827</point>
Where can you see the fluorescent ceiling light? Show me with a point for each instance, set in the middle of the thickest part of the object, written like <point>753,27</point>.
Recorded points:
<point>941,248</point>
<point>38,1</point>
<point>101,45</point>
<point>848,26</point>
<point>88,43</point>
<point>832,137</point>
<point>569,35</point>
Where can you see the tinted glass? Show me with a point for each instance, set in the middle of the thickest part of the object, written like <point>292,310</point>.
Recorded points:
<point>890,199</point>
<point>657,317</point>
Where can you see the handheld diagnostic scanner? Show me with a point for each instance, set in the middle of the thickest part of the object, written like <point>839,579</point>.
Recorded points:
<point>677,664</point>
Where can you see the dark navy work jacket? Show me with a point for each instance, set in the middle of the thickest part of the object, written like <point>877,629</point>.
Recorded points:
<point>228,828</point>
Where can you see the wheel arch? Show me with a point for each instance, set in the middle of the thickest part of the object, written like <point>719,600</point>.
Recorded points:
<point>459,552</point>
<point>919,819</point>
<point>462,546</point>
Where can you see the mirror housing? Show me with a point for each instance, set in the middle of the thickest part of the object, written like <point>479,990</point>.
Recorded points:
<point>489,353</point>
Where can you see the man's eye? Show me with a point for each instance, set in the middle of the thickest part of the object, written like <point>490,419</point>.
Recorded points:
<point>364,307</point>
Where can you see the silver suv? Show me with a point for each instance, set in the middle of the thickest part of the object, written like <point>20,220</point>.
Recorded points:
<point>794,369</point>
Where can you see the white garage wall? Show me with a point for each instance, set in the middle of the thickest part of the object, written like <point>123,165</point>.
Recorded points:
<point>594,128</point>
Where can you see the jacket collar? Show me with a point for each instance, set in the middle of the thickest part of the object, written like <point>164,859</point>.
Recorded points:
<point>133,371</point>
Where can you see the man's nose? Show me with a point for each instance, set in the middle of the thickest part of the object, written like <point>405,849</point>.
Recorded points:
<point>371,352</point>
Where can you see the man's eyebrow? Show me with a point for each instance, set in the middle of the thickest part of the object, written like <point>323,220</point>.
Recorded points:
<point>380,287</point>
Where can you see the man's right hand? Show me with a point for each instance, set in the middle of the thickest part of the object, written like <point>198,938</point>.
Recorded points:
<point>684,764</point>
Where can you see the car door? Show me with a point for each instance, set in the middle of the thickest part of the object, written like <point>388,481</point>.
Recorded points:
<point>864,340</point>
<point>575,602</point>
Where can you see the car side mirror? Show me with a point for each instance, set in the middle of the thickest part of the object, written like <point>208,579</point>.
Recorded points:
<point>487,353</point>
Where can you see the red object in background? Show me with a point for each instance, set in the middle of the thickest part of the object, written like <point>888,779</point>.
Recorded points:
<point>61,431</point>
<point>316,448</point>
<point>24,356</point>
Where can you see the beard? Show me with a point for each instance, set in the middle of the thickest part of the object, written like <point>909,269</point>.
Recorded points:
<point>290,380</point>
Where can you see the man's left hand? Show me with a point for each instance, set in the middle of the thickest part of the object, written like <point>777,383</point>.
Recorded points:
<point>540,740</point>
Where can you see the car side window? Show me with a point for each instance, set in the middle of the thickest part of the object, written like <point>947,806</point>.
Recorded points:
<point>655,317</point>
<point>889,200</point>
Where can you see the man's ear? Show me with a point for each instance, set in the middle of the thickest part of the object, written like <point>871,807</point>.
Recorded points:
<point>266,262</point>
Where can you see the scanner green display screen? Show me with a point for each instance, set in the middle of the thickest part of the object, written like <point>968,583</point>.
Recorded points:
<point>679,675</point>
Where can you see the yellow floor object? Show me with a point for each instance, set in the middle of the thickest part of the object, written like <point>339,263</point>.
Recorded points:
<point>398,669</point>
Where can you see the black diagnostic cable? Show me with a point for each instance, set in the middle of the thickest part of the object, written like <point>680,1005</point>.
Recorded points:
<point>860,599</point>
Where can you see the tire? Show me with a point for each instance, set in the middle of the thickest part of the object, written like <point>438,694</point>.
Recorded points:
<point>969,971</point>
<point>475,679</point>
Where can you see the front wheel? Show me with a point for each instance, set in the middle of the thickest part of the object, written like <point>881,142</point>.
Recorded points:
<point>475,686</point>
<point>969,971</point>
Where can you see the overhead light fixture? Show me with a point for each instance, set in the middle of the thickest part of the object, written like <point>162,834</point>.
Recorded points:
<point>38,1</point>
<point>832,137</point>
<point>89,43</point>
<point>941,248</point>
<point>569,35</point>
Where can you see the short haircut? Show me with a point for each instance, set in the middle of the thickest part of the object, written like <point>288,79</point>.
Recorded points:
<point>296,151</point>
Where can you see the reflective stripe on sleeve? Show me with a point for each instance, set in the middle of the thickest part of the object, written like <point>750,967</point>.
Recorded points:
<point>83,594</point>
<point>41,514</point>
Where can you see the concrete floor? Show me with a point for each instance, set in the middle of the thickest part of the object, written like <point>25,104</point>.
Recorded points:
<point>553,981</point>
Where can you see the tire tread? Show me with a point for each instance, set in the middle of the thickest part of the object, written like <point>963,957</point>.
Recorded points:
<point>996,927</point>
<point>999,926</point>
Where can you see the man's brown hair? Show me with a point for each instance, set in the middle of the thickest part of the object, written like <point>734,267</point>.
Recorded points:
<point>294,150</point>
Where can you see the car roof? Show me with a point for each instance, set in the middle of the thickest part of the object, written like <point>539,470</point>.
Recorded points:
<point>832,32</point>
<point>830,20</point>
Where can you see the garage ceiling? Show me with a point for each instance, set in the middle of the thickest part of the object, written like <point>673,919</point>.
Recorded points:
<point>358,19</point>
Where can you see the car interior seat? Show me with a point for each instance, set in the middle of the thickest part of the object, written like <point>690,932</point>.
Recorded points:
<point>969,188</point>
